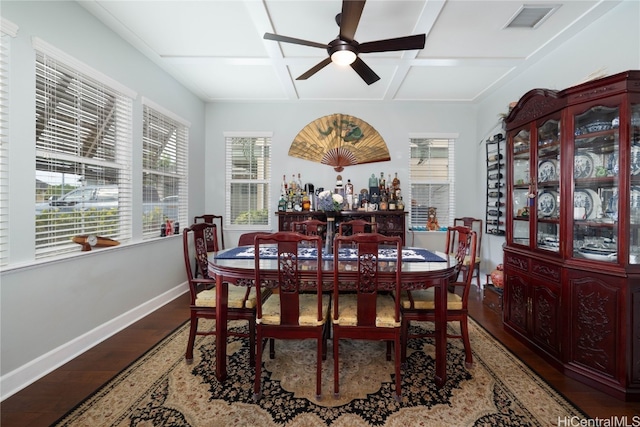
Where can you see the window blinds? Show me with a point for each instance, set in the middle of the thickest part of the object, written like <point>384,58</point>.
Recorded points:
<point>164,162</point>
<point>83,142</point>
<point>248,181</point>
<point>432,180</point>
<point>5,40</point>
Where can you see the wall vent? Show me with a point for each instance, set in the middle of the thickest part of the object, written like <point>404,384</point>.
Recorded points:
<point>531,16</point>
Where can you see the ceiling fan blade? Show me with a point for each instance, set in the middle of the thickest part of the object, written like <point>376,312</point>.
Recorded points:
<point>351,12</point>
<point>285,39</point>
<point>401,43</point>
<point>319,66</point>
<point>367,74</point>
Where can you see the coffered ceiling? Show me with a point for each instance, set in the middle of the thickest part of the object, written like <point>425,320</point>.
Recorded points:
<point>217,50</point>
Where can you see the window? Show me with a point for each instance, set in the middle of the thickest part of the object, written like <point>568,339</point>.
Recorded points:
<point>248,176</point>
<point>164,169</point>
<point>432,180</point>
<point>8,30</point>
<point>83,153</point>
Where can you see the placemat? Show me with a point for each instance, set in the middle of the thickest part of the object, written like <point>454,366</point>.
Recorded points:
<point>345,254</point>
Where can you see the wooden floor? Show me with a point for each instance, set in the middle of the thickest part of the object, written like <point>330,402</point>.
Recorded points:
<point>43,402</point>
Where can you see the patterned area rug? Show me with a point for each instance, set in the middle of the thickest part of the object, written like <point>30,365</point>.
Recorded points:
<point>160,389</point>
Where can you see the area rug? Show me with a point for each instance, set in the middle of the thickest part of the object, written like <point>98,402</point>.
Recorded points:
<point>160,389</point>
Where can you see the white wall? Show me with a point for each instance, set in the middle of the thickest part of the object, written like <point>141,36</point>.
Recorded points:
<point>51,310</point>
<point>612,43</point>
<point>393,120</point>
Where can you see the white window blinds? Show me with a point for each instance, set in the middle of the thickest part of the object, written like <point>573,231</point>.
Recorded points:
<point>432,180</point>
<point>83,157</point>
<point>164,162</point>
<point>8,30</point>
<point>248,181</point>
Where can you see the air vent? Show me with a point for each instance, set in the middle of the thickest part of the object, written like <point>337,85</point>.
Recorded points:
<point>531,16</point>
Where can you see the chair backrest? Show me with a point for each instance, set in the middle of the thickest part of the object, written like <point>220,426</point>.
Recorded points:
<point>310,227</point>
<point>474,224</point>
<point>357,226</point>
<point>213,219</point>
<point>246,239</point>
<point>289,282</point>
<point>366,268</point>
<point>461,242</point>
<point>195,248</point>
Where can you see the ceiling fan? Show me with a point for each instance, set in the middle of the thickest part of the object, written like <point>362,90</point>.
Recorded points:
<point>344,50</point>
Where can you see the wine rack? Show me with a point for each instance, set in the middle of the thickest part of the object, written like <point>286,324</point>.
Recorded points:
<point>496,185</point>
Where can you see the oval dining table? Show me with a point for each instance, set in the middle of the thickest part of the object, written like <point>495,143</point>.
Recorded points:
<point>415,275</point>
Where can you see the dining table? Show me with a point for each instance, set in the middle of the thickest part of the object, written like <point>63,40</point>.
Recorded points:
<point>416,274</point>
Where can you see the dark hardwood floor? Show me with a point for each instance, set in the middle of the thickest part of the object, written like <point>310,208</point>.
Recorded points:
<point>43,402</point>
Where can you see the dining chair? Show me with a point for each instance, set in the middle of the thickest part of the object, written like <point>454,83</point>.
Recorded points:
<point>419,305</point>
<point>213,219</point>
<point>210,237</point>
<point>366,313</point>
<point>247,239</point>
<point>310,227</point>
<point>356,226</point>
<point>242,301</point>
<point>476,225</point>
<point>289,313</point>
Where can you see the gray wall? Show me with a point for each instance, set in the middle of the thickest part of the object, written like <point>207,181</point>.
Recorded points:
<point>52,310</point>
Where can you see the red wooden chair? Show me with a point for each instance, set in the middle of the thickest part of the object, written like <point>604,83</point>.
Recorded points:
<point>419,306</point>
<point>366,314</point>
<point>288,313</point>
<point>211,219</point>
<point>357,226</point>
<point>242,300</point>
<point>310,227</point>
<point>470,266</point>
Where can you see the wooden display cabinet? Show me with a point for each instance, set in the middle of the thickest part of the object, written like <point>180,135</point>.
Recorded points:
<point>572,251</point>
<point>390,223</point>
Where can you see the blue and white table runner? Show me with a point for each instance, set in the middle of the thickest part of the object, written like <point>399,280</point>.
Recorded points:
<point>345,254</point>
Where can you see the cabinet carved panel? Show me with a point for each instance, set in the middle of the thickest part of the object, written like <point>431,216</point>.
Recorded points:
<point>594,327</point>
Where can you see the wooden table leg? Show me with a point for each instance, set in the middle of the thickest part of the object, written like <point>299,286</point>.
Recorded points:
<point>441,333</point>
<point>221,328</point>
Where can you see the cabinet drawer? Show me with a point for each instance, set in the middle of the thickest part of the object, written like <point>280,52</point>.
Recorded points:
<point>516,261</point>
<point>547,271</point>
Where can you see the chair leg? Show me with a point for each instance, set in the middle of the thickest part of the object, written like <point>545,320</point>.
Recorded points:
<point>478,275</point>
<point>398,362</point>
<point>192,338</point>
<point>258,368</point>
<point>464,329</point>
<point>336,366</point>
<point>388,350</point>
<point>404,339</point>
<point>252,342</point>
<point>319,348</point>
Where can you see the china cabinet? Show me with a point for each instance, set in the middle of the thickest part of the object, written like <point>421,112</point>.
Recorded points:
<point>390,223</point>
<point>494,220</point>
<point>572,251</point>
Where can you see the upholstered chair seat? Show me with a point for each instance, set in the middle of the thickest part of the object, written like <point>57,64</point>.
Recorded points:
<point>424,300</point>
<point>385,311</point>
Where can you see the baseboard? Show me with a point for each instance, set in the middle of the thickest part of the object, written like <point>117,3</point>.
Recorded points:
<point>32,371</point>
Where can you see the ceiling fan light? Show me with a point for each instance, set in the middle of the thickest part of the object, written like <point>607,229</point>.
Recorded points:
<point>343,57</point>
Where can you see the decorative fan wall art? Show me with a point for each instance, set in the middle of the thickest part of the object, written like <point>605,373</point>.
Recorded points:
<point>339,140</point>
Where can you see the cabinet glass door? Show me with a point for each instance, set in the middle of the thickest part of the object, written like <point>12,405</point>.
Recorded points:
<point>634,163</point>
<point>548,186</point>
<point>595,191</point>
<point>521,179</point>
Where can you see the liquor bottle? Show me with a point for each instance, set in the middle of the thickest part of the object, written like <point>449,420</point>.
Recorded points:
<point>496,204</point>
<point>494,166</point>
<point>400,204</point>
<point>349,193</point>
<point>299,183</point>
<point>283,186</point>
<point>382,182</point>
<point>494,212</point>
<point>306,202</point>
<point>396,182</point>
<point>282,204</point>
<point>496,176</point>
<point>495,157</point>
<point>497,194</point>
<point>496,185</point>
